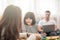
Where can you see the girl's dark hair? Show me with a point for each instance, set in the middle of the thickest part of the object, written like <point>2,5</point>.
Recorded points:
<point>31,16</point>
<point>11,20</point>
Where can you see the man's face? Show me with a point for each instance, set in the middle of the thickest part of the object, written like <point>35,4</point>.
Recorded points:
<point>47,15</point>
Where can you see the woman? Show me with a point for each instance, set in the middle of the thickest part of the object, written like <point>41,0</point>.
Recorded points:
<point>10,24</point>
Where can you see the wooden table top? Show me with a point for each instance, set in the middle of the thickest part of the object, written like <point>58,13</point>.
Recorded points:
<point>53,37</point>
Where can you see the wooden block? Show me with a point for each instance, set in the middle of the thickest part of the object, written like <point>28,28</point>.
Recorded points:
<point>52,38</point>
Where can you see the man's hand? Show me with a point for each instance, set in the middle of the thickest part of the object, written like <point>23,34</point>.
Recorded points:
<point>40,28</point>
<point>56,28</point>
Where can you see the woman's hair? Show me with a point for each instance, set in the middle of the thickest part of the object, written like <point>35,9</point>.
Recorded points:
<point>11,21</point>
<point>31,16</point>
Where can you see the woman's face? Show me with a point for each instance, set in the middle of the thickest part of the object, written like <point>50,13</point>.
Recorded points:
<point>28,21</point>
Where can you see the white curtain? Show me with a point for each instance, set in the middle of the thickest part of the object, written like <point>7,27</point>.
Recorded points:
<point>36,6</point>
<point>58,13</point>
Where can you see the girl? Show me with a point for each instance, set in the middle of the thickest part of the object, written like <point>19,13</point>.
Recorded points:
<point>10,24</point>
<point>30,26</point>
<point>29,23</point>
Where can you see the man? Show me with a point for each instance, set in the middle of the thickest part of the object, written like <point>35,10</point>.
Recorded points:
<point>47,21</point>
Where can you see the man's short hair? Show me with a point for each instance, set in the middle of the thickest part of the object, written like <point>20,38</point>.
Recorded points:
<point>47,11</point>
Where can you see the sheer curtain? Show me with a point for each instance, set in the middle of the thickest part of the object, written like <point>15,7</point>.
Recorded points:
<point>36,6</point>
<point>58,13</point>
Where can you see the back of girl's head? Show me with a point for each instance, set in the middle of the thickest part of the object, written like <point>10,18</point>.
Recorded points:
<point>11,20</point>
<point>31,16</point>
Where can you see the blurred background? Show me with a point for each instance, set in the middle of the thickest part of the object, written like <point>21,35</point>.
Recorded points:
<point>37,6</point>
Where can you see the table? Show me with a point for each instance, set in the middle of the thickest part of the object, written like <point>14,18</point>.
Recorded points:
<point>24,37</point>
<point>52,37</point>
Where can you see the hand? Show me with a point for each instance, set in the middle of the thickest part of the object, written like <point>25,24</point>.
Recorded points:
<point>44,34</point>
<point>38,36</point>
<point>56,29</point>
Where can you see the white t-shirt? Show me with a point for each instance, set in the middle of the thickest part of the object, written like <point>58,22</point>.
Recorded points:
<point>44,22</point>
